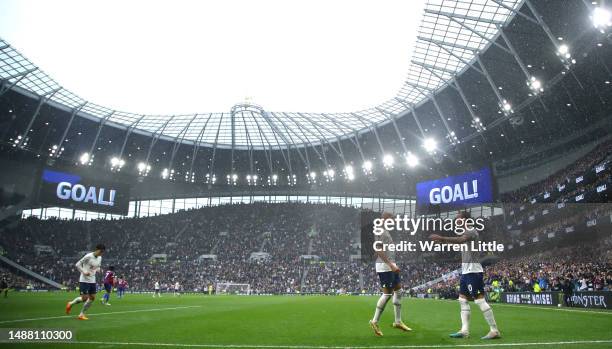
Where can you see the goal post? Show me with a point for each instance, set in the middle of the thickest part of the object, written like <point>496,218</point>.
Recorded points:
<point>233,288</point>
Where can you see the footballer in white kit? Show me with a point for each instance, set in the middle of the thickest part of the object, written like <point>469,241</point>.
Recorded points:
<point>471,283</point>
<point>88,266</point>
<point>390,284</point>
<point>157,289</point>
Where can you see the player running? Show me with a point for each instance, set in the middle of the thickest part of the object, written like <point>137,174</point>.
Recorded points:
<point>177,289</point>
<point>109,282</point>
<point>390,283</point>
<point>471,285</point>
<point>87,266</point>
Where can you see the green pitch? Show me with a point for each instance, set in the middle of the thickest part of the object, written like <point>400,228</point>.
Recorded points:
<point>309,322</point>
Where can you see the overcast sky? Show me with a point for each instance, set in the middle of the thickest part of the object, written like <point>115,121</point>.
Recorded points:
<point>176,57</point>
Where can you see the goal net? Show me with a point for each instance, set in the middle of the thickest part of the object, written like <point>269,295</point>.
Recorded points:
<point>232,288</point>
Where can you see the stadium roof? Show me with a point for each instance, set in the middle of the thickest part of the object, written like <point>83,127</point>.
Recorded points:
<point>450,35</point>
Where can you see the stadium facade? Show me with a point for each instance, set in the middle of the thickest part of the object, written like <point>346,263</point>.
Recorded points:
<point>506,112</point>
<point>487,84</point>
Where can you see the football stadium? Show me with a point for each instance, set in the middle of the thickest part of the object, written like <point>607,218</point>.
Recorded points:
<point>306,174</point>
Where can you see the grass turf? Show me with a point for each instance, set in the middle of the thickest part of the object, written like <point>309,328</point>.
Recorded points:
<point>300,321</point>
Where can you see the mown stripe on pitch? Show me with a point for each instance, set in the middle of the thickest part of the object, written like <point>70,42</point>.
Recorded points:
<point>98,314</point>
<point>536,307</point>
<point>263,346</point>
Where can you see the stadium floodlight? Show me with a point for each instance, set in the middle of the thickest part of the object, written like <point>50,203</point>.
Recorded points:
<point>505,108</point>
<point>367,167</point>
<point>252,179</point>
<point>116,163</point>
<point>349,173</point>
<point>232,179</point>
<point>292,179</point>
<point>388,161</point>
<point>143,169</point>
<point>478,125</point>
<point>273,179</point>
<point>312,177</point>
<point>452,138</point>
<point>430,145</point>
<point>22,142</point>
<point>211,178</point>
<point>535,85</point>
<point>189,177</point>
<point>563,52</point>
<point>55,151</point>
<point>411,160</point>
<point>329,175</point>
<point>602,18</point>
<point>165,173</point>
<point>85,159</point>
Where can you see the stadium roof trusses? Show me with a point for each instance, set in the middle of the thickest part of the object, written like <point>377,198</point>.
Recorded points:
<point>451,35</point>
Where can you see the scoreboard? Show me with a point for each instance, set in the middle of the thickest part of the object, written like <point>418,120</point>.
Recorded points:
<point>72,189</point>
<point>456,192</point>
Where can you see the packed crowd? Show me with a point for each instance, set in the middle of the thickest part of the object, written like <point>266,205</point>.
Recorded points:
<point>12,280</point>
<point>588,268</point>
<point>301,247</point>
<point>601,154</point>
<point>326,231</point>
<point>281,232</point>
<point>231,231</point>
<point>575,216</point>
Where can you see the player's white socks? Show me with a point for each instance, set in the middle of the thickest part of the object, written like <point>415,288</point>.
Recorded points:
<point>86,306</point>
<point>76,300</point>
<point>380,306</point>
<point>465,315</point>
<point>487,312</point>
<point>397,306</point>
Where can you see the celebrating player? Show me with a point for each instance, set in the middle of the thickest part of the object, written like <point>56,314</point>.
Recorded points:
<point>87,266</point>
<point>390,283</point>
<point>109,282</point>
<point>471,282</point>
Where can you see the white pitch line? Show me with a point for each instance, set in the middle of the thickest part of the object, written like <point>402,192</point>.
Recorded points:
<point>263,346</point>
<point>98,314</point>
<point>528,306</point>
